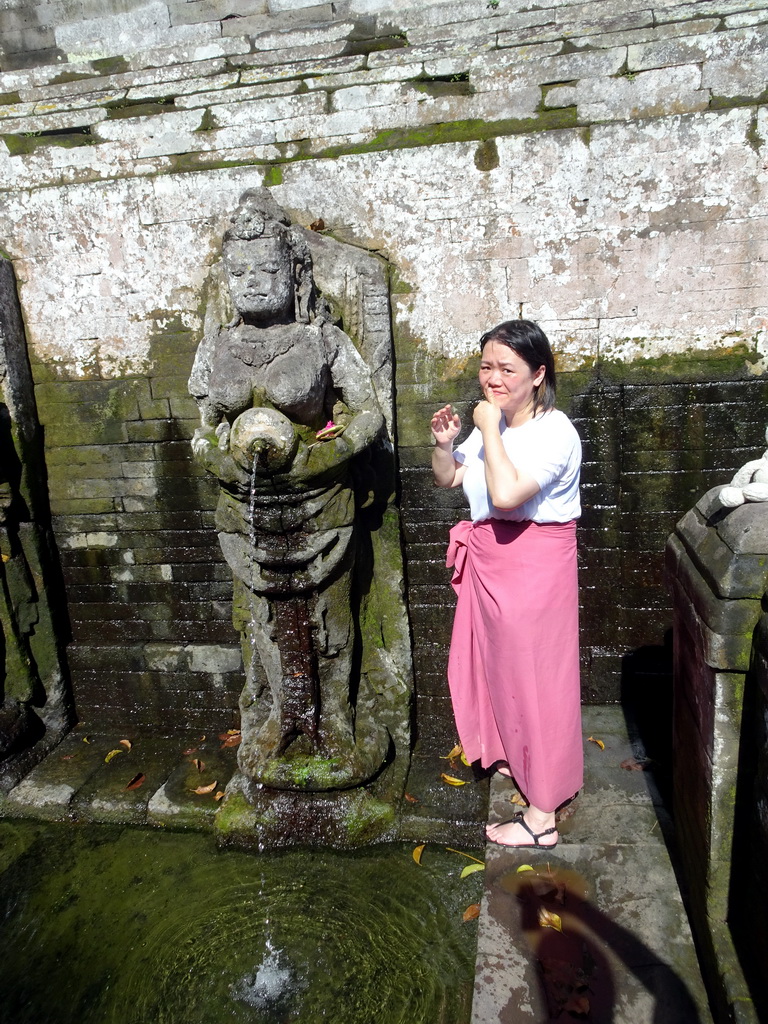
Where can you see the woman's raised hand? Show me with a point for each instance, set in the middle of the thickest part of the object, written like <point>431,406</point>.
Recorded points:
<point>446,425</point>
<point>487,413</point>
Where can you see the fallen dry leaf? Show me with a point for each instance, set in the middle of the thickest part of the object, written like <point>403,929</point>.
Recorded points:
<point>411,799</point>
<point>111,754</point>
<point>548,919</point>
<point>136,781</point>
<point>219,795</point>
<point>452,780</point>
<point>188,751</point>
<point>202,790</point>
<point>418,852</point>
<point>517,799</point>
<point>317,225</point>
<point>452,754</point>
<point>470,869</point>
<point>126,743</point>
<point>200,765</point>
<point>599,743</point>
<point>471,913</point>
<point>231,739</point>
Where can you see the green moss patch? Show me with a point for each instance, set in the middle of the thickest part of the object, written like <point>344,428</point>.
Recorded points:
<point>68,138</point>
<point>730,362</point>
<point>474,130</point>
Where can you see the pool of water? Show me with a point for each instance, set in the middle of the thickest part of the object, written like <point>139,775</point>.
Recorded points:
<point>102,925</point>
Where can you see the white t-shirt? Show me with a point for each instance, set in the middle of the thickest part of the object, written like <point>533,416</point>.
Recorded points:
<point>549,449</point>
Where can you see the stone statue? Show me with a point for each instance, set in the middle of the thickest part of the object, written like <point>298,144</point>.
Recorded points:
<point>750,483</point>
<point>35,700</point>
<point>289,417</point>
<point>18,613</point>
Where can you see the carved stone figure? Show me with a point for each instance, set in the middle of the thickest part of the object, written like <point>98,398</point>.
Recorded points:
<point>18,614</point>
<point>750,483</point>
<point>289,418</point>
<point>35,702</point>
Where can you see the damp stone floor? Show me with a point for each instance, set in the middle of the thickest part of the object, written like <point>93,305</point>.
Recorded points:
<point>625,954</point>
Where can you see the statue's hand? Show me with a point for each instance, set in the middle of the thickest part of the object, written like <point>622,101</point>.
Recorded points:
<point>362,430</point>
<point>222,432</point>
<point>322,459</point>
<point>215,459</point>
<point>200,441</point>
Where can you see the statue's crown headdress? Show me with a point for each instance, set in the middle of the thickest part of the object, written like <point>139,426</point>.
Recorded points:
<point>257,216</point>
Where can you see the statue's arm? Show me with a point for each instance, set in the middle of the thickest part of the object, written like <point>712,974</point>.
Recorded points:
<point>211,449</point>
<point>352,380</point>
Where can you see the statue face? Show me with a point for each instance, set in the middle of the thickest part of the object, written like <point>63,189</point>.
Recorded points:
<point>260,278</point>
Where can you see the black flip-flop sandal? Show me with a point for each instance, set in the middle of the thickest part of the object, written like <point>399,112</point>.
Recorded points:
<point>519,819</point>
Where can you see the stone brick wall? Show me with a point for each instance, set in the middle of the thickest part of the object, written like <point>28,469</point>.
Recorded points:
<point>149,595</point>
<point>596,166</point>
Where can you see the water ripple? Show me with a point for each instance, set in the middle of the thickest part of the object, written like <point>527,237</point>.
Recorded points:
<point>141,927</point>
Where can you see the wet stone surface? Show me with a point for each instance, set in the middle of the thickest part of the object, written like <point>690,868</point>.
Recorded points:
<point>620,950</point>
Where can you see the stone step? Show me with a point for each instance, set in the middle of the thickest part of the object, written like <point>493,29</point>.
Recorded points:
<point>625,953</point>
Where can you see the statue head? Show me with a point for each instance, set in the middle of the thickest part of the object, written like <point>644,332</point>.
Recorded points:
<point>268,265</point>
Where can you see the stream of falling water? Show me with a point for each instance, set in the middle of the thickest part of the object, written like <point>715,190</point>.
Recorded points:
<point>251,546</point>
<point>124,926</point>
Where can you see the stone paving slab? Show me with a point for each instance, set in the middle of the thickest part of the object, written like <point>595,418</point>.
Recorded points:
<point>625,953</point>
<point>76,782</point>
<point>177,803</point>
<point>120,789</point>
<point>47,791</point>
<point>439,812</point>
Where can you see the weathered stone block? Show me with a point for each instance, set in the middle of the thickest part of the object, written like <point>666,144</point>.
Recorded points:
<point>221,91</point>
<point>113,34</point>
<point>214,658</point>
<point>177,123</point>
<point>713,551</point>
<point>699,48</point>
<point>736,77</point>
<point>260,67</point>
<point>725,627</point>
<point>667,91</point>
<point>213,10</point>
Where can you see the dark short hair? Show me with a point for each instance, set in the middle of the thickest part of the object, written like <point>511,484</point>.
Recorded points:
<point>532,345</point>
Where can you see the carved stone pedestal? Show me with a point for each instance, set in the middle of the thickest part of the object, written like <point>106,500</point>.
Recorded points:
<point>717,566</point>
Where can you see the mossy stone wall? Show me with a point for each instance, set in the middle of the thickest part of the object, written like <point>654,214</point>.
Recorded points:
<point>149,594</point>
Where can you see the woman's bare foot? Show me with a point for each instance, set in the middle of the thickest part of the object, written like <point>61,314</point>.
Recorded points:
<point>533,829</point>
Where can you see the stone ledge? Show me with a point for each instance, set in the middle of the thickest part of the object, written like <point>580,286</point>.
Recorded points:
<point>695,49</point>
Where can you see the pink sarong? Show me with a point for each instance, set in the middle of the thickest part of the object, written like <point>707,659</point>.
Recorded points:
<point>513,669</point>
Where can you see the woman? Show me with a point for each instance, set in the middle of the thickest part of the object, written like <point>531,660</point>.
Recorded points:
<point>513,668</point>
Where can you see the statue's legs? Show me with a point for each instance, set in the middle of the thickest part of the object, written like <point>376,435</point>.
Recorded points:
<point>298,704</point>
